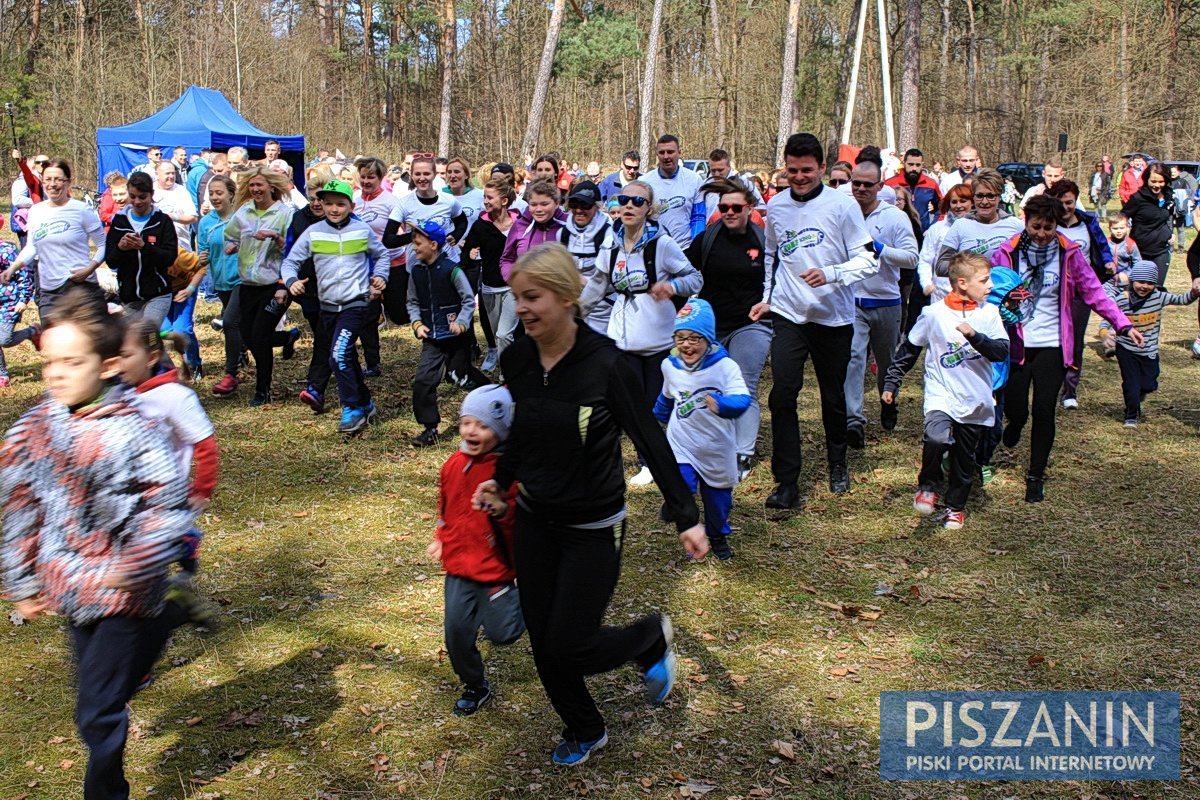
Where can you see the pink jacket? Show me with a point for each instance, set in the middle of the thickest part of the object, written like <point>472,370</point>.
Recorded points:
<point>1078,280</point>
<point>525,233</point>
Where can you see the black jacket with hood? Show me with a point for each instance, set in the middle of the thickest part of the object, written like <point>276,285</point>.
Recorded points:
<point>142,274</point>
<point>565,446</point>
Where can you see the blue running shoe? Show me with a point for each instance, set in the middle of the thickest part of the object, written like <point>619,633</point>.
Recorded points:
<point>570,752</point>
<point>314,399</point>
<point>660,677</point>
<point>370,412</point>
<point>353,420</point>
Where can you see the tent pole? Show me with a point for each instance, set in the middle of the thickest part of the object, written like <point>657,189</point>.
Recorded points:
<point>886,73</point>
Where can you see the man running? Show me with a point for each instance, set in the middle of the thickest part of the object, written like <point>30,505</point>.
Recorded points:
<point>968,163</point>
<point>677,193</point>
<point>631,166</point>
<point>926,194</point>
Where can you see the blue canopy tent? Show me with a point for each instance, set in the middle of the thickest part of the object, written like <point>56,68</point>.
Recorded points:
<point>200,118</point>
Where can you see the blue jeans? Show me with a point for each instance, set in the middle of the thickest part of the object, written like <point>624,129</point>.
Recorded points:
<point>717,502</point>
<point>749,347</point>
<point>181,318</point>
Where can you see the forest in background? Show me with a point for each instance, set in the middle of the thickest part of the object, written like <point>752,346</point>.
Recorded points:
<point>460,76</point>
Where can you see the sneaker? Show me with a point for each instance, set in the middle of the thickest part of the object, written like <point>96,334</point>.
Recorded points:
<point>260,399</point>
<point>226,386</point>
<point>855,437</point>
<point>200,613</point>
<point>289,348</point>
<point>987,474</point>
<point>786,495</point>
<point>428,438</point>
<point>720,547</point>
<point>197,371</point>
<point>5,382</point>
<point>353,420</point>
<point>490,360</point>
<point>1129,423</point>
<point>571,752</point>
<point>744,465</point>
<point>1070,403</point>
<point>314,399</point>
<point>889,415</point>
<point>954,519</point>
<point>370,412</point>
<point>35,337</point>
<point>1034,489</point>
<point>660,676</point>
<point>473,698</point>
<point>1109,353</point>
<point>217,324</point>
<point>1011,435</point>
<point>373,372</point>
<point>145,683</point>
<point>642,478</point>
<point>925,502</point>
<point>839,478</point>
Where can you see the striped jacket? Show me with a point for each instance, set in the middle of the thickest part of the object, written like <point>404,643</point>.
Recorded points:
<point>1145,313</point>
<point>87,496</point>
<point>345,257</point>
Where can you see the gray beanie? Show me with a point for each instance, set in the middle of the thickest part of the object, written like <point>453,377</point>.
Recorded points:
<point>493,406</point>
<point>1144,271</point>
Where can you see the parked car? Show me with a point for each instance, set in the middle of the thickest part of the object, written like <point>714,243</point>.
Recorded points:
<point>1022,174</point>
<point>1186,166</point>
<point>698,165</point>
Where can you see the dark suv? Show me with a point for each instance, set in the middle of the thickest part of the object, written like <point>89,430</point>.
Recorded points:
<point>1022,174</point>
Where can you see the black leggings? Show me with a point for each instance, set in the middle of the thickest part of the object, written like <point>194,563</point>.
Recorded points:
<point>231,321</point>
<point>258,330</point>
<point>1044,371</point>
<point>567,578</point>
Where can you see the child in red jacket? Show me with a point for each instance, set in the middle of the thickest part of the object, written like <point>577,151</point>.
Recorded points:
<point>475,548</point>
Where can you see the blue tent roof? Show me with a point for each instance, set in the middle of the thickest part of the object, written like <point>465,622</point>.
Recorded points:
<point>200,118</point>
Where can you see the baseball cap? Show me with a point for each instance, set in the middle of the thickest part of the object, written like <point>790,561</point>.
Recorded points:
<point>432,230</point>
<point>337,187</point>
<point>507,169</point>
<point>585,192</point>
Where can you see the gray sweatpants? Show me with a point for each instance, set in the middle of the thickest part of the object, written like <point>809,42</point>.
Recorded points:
<point>749,347</point>
<point>879,330</point>
<point>155,309</point>
<point>470,605</point>
<point>11,338</point>
<point>502,316</point>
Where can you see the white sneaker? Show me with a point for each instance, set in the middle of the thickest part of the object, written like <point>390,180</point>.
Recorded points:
<point>642,478</point>
<point>1071,404</point>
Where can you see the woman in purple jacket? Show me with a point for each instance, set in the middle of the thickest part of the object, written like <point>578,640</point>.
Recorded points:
<point>1055,271</point>
<point>540,222</point>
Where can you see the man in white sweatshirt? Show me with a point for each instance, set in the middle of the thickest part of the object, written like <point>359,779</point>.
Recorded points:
<point>817,248</point>
<point>877,302</point>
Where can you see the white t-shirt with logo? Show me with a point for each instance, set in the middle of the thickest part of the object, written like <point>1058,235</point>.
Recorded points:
<point>409,211</point>
<point>975,236</point>
<point>697,435</point>
<point>826,233</point>
<point>471,203</point>
<point>59,237</point>
<point>674,198</point>
<point>1041,315</point>
<point>958,380</point>
<point>177,201</point>
<point>375,213</point>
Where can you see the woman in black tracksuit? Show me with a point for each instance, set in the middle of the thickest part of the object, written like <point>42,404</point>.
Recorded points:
<point>1150,211</point>
<point>575,393</point>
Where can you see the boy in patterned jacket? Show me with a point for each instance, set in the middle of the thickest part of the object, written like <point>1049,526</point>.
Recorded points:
<point>15,294</point>
<point>95,507</point>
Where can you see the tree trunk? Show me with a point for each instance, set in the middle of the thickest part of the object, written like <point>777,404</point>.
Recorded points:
<point>1173,9</point>
<point>368,51</point>
<point>35,34</point>
<point>843,90</point>
<point>647,110</point>
<point>537,106</point>
<point>787,85</point>
<point>722,88</point>
<point>1040,95</point>
<point>448,54</point>
<point>972,69</point>
<point>910,79</point>
<point>1123,66</point>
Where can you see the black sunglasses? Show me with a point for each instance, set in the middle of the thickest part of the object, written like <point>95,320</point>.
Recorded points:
<point>836,182</point>
<point>578,205</point>
<point>863,184</point>
<point>626,199</point>
<point>631,167</point>
<point>41,163</point>
<point>736,208</point>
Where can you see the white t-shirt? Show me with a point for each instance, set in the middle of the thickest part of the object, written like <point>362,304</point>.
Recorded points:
<point>59,237</point>
<point>177,201</point>
<point>929,253</point>
<point>410,210</point>
<point>471,203</point>
<point>958,380</point>
<point>1041,315</point>
<point>177,408</point>
<point>826,233</point>
<point>1078,234</point>
<point>698,436</point>
<point>297,198</point>
<point>970,234</point>
<point>674,199</point>
<point>375,213</point>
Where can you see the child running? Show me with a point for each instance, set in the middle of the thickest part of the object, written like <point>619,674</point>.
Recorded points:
<point>95,506</point>
<point>964,335</point>
<point>703,393</point>
<point>475,547</point>
<point>352,270</point>
<point>163,398</point>
<point>1143,302</point>
<point>15,294</point>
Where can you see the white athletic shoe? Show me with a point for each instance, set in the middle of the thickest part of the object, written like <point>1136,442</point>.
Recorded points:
<point>642,478</point>
<point>1071,404</point>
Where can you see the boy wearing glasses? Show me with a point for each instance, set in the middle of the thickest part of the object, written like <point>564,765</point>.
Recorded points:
<point>703,393</point>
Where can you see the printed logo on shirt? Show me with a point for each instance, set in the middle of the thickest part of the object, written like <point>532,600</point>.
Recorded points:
<point>625,281</point>
<point>957,355</point>
<point>691,402</point>
<point>987,246</point>
<point>803,238</point>
<point>369,215</point>
<point>669,203</point>
<point>51,229</point>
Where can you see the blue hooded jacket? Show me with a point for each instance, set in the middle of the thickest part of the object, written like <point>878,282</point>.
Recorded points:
<point>1004,280</point>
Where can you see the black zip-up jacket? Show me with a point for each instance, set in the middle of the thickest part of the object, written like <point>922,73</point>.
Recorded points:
<point>1151,221</point>
<point>487,237</point>
<point>142,274</point>
<point>565,446</point>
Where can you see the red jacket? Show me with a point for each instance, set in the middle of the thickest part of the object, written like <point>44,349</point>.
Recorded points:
<point>470,546</point>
